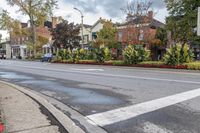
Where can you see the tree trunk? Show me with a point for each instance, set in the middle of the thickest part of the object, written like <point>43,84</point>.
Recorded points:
<point>34,36</point>
<point>34,39</point>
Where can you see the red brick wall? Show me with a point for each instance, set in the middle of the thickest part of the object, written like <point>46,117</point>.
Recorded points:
<point>20,39</point>
<point>130,35</point>
<point>44,32</point>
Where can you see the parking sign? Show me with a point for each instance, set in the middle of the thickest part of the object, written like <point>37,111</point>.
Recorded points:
<point>198,22</point>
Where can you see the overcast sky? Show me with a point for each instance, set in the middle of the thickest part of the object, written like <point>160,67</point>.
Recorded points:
<point>92,10</point>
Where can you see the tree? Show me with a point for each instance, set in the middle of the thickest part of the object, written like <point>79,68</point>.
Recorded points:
<point>137,11</point>
<point>6,22</point>
<point>10,24</point>
<point>41,41</point>
<point>37,11</point>
<point>161,34</point>
<point>106,36</point>
<point>160,42</point>
<point>66,35</point>
<point>182,19</point>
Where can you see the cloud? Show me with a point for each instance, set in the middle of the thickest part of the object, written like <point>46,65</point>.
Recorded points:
<point>92,10</point>
<point>110,7</point>
<point>158,4</point>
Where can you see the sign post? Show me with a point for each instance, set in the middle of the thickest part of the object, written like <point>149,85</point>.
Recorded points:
<point>198,22</point>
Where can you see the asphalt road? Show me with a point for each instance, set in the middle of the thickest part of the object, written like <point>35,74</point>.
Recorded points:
<point>118,99</point>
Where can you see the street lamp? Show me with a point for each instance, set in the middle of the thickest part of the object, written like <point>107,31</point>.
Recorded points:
<point>81,24</point>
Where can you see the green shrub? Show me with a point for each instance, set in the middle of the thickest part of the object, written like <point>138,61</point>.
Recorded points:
<point>82,54</point>
<point>177,55</point>
<point>57,59</point>
<point>64,54</point>
<point>143,54</point>
<point>188,55</point>
<point>134,55</point>
<point>107,53</point>
<point>99,55</point>
<point>61,54</point>
<point>90,55</point>
<point>77,55</point>
<point>130,55</point>
<point>193,65</point>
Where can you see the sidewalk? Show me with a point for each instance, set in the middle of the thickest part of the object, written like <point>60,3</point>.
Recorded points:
<point>1,120</point>
<point>23,114</point>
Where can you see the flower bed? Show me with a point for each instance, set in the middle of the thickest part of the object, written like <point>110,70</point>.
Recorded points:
<point>151,64</point>
<point>193,65</point>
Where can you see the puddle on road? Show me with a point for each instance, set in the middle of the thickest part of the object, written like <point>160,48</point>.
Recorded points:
<point>78,96</point>
<point>12,75</point>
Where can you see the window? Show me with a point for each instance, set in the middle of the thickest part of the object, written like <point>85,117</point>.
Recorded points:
<point>141,36</point>
<point>94,35</point>
<point>86,38</point>
<point>25,52</point>
<point>120,35</point>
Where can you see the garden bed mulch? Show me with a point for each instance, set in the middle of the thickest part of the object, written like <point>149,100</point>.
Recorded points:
<point>135,65</point>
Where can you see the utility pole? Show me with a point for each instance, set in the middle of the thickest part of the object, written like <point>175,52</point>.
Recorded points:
<point>198,22</point>
<point>82,37</point>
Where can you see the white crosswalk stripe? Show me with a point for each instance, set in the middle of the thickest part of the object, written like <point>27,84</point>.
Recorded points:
<point>125,113</point>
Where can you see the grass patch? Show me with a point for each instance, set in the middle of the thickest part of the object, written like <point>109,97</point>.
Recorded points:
<point>156,63</point>
<point>115,62</point>
<point>87,61</point>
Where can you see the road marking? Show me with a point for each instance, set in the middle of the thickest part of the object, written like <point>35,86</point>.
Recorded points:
<point>108,75</point>
<point>76,69</point>
<point>125,113</point>
<point>173,71</point>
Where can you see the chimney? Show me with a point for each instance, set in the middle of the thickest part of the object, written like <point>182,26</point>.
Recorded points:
<point>54,22</point>
<point>150,14</point>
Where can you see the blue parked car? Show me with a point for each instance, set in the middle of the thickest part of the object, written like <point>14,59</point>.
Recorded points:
<point>47,57</point>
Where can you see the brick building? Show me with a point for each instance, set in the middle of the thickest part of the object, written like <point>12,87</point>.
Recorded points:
<point>140,30</point>
<point>18,42</point>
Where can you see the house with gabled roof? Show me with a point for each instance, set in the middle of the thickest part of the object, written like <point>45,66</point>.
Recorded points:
<point>138,30</point>
<point>86,34</point>
<point>97,26</point>
<point>90,31</point>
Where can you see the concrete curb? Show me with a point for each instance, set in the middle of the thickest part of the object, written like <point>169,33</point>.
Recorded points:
<point>63,119</point>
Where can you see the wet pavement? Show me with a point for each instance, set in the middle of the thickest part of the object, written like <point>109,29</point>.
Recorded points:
<point>90,101</point>
<point>95,92</point>
<point>86,101</point>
